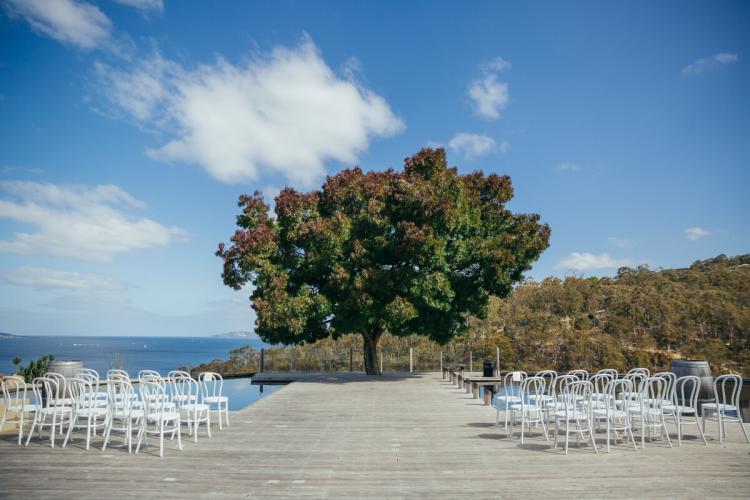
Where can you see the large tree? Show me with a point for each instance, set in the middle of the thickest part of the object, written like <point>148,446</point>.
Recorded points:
<point>412,251</point>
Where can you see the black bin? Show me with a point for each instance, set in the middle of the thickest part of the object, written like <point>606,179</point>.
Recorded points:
<point>488,369</point>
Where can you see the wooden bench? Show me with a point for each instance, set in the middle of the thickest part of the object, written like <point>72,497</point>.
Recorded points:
<point>489,384</point>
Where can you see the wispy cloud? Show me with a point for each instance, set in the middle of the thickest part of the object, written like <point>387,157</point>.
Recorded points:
<point>622,242</point>
<point>79,222</point>
<point>474,145</point>
<point>586,261</point>
<point>69,21</point>
<point>696,233</point>
<point>146,6</point>
<point>489,96</point>
<point>709,64</point>
<point>285,112</point>
<point>50,279</point>
<point>568,167</point>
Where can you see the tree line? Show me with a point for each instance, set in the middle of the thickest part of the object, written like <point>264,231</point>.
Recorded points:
<point>640,317</point>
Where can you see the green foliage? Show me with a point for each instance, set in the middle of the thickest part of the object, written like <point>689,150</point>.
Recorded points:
<point>35,368</point>
<point>405,252</point>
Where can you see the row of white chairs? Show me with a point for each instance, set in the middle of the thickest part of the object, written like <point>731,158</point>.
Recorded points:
<point>582,403</point>
<point>159,407</point>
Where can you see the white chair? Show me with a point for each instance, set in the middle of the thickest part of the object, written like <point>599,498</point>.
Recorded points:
<point>531,406</point>
<point>549,377</point>
<point>609,371</point>
<point>157,418</point>
<point>581,374</point>
<point>684,404</point>
<point>116,374</point>
<point>575,414</point>
<point>125,410</point>
<point>727,407</point>
<point>177,378</point>
<point>599,381</point>
<point>48,390</point>
<point>192,412</point>
<point>650,408</point>
<point>639,371</point>
<point>87,414</point>
<point>606,410</point>
<point>145,376</point>
<point>212,385</point>
<point>14,402</point>
<point>671,379</point>
<point>92,376</point>
<point>509,396</point>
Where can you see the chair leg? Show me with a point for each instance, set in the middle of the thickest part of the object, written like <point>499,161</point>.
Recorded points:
<point>70,430</point>
<point>179,435</point>
<point>31,431</point>
<point>742,425</point>
<point>161,440</point>
<point>664,428</point>
<point>20,428</point>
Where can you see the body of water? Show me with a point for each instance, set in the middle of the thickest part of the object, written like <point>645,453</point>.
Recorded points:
<point>132,353</point>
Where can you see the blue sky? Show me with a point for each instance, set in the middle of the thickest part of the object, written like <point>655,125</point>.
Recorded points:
<point>129,127</point>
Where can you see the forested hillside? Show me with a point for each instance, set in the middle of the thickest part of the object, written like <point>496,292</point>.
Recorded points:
<point>640,317</point>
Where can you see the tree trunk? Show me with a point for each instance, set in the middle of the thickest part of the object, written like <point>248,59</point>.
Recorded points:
<point>371,352</point>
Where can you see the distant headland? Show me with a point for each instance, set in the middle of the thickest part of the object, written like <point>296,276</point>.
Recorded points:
<point>236,335</point>
<point>7,336</point>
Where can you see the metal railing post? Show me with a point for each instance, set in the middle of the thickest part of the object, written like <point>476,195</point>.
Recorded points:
<point>262,360</point>
<point>411,360</point>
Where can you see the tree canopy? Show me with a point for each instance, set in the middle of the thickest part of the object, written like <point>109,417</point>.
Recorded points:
<point>415,251</point>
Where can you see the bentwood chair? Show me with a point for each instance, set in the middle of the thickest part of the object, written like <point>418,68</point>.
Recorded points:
<point>684,406</point>
<point>212,385</point>
<point>581,374</point>
<point>192,412</point>
<point>502,401</point>
<point>650,408</point>
<point>615,419</point>
<point>126,412</point>
<point>87,414</point>
<point>531,406</point>
<point>158,418</point>
<point>576,413</point>
<point>48,391</point>
<point>726,405</point>
<point>15,404</point>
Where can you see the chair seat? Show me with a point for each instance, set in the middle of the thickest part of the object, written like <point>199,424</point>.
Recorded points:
<point>219,399</point>
<point>644,411</point>
<point>571,415</point>
<point>164,416</point>
<point>192,407</point>
<point>15,409</point>
<point>96,411</point>
<point>602,413</point>
<point>134,414</point>
<point>527,408</point>
<point>184,397</point>
<point>542,397</point>
<point>682,410</point>
<point>56,409</point>
<point>721,406</point>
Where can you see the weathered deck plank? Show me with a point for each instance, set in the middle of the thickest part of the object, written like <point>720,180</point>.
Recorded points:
<point>392,436</point>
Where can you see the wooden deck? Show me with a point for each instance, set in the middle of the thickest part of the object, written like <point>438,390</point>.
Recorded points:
<point>392,436</point>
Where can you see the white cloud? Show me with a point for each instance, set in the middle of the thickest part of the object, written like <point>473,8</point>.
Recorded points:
<point>285,112</point>
<point>696,233</point>
<point>586,261</point>
<point>622,242</point>
<point>568,167</point>
<point>46,279</point>
<point>68,21</point>
<point>78,222</point>
<point>709,63</point>
<point>489,96</point>
<point>473,145</point>
<point>144,5</point>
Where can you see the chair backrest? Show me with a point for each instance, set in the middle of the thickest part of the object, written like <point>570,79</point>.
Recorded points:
<point>62,386</point>
<point>600,381</point>
<point>115,374</point>
<point>653,392</point>
<point>671,378</point>
<point>686,391</point>
<point>13,391</point>
<point>727,390</point>
<point>153,395</point>
<point>619,388</point>
<point>212,384</point>
<point>120,395</point>
<point>82,393</point>
<point>639,371</point>
<point>609,371</point>
<point>532,388</point>
<point>184,390</point>
<point>577,396</point>
<point>549,377</point>
<point>581,374</point>
<point>178,373</point>
<point>47,391</point>
<point>560,384</point>
<point>88,371</point>
<point>148,374</point>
